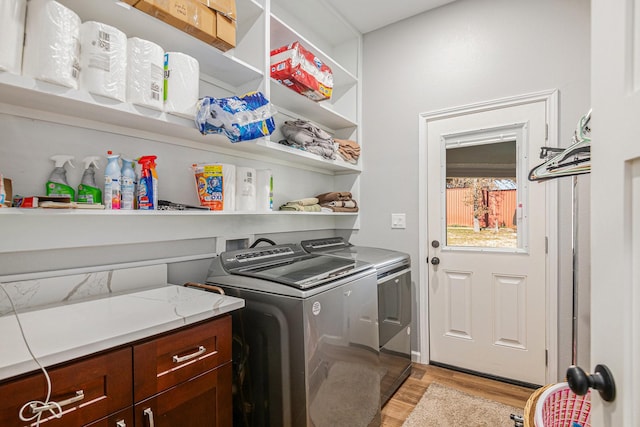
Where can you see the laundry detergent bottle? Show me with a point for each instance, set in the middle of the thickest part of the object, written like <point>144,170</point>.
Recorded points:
<point>88,191</point>
<point>112,182</point>
<point>148,184</point>
<point>57,185</point>
<point>127,184</point>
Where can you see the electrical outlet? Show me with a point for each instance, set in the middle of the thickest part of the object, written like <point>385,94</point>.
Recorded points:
<point>398,220</point>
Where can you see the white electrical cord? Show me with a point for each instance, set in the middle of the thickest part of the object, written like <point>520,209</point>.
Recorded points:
<point>46,405</point>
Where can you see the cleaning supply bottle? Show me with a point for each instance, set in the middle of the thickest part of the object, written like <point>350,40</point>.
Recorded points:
<point>88,191</point>
<point>112,182</point>
<point>57,185</point>
<point>128,182</point>
<point>148,185</point>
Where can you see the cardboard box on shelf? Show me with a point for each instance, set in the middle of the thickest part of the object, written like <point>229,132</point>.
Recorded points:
<point>192,17</point>
<point>226,17</point>
<point>302,71</point>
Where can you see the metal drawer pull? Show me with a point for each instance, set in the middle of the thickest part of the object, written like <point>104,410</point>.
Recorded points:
<point>149,414</point>
<point>121,423</point>
<point>36,409</point>
<point>177,359</point>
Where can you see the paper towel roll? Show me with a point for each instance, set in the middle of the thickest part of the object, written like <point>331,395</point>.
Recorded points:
<point>264,190</point>
<point>103,60</point>
<point>12,17</point>
<point>229,185</point>
<point>182,84</point>
<point>245,189</point>
<point>51,47</point>
<point>145,73</point>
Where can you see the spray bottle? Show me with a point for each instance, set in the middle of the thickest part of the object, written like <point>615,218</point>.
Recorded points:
<point>57,185</point>
<point>148,185</point>
<point>88,191</point>
<point>128,182</point>
<point>112,182</point>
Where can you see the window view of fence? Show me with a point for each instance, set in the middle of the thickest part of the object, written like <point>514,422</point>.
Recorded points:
<point>482,212</point>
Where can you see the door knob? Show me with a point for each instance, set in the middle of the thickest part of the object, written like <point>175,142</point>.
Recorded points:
<point>435,243</point>
<point>602,380</point>
<point>435,260</point>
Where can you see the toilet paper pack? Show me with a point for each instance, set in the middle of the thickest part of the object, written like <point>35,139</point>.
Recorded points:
<point>145,73</point>
<point>12,23</point>
<point>103,60</point>
<point>51,44</point>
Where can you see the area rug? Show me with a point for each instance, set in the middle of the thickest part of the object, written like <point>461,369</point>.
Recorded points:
<point>442,406</point>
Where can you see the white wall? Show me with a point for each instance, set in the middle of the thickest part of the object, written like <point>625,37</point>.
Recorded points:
<point>466,52</point>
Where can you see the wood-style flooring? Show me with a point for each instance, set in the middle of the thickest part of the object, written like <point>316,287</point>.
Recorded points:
<point>396,411</point>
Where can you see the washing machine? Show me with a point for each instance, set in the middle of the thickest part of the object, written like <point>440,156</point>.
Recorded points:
<point>306,345</point>
<point>394,304</point>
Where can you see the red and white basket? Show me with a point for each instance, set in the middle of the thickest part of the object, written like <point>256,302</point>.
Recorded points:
<point>558,406</point>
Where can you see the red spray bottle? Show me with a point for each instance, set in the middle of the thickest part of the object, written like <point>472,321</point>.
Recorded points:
<point>148,184</point>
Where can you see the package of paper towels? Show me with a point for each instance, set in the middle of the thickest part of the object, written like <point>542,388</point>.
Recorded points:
<point>145,73</point>
<point>245,189</point>
<point>12,17</point>
<point>51,44</point>
<point>264,190</point>
<point>229,184</point>
<point>181,84</point>
<point>103,60</point>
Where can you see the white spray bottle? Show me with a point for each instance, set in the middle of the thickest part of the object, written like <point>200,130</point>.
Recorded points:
<point>57,185</point>
<point>88,191</point>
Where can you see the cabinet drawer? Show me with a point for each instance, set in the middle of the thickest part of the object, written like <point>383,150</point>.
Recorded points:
<point>87,390</point>
<point>204,401</point>
<point>123,418</point>
<point>171,359</point>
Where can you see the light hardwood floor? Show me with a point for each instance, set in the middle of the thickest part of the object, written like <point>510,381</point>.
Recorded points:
<point>396,411</point>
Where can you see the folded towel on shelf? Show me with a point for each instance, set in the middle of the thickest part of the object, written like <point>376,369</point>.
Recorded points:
<point>300,208</point>
<point>341,204</point>
<point>349,150</point>
<point>333,196</point>
<point>304,202</point>
<point>339,209</point>
<point>306,136</point>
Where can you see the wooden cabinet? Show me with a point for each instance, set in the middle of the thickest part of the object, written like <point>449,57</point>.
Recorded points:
<point>182,378</point>
<point>203,401</point>
<point>188,376</point>
<point>86,390</point>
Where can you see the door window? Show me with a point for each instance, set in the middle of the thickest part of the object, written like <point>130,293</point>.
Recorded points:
<point>483,192</point>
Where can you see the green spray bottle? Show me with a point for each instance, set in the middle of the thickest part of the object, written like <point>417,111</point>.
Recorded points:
<point>88,191</point>
<point>57,185</point>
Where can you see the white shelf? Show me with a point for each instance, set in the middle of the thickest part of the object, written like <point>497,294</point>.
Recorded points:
<point>223,66</point>
<point>321,112</point>
<point>282,34</point>
<point>137,213</point>
<point>85,110</point>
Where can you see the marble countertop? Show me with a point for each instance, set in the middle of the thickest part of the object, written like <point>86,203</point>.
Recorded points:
<point>66,331</point>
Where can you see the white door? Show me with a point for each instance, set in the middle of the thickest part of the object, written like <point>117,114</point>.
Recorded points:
<point>487,286</point>
<point>615,204</point>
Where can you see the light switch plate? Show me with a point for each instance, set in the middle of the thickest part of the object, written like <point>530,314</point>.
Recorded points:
<point>398,220</point>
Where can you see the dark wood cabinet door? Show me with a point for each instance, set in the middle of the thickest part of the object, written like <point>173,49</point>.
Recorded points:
<point>120,419</point>
<point>203,401</point>
<point>87,390</point>
<point>167,361</point>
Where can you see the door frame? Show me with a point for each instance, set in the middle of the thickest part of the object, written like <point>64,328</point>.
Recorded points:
<point>550,98</point>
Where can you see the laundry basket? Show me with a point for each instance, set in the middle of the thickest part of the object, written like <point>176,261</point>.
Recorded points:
<point>557,406</point>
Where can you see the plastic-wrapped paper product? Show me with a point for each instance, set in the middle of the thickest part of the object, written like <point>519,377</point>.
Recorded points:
<point>216,185</point>
<point>302,71</point>
<point>145,73</point>
<point>181,84</point>
<point>245,189</point>
<point>264,190</point>
<point>51,44</point>
<point>12,17</point>
<point>103,60</point>
<point>238,118</point>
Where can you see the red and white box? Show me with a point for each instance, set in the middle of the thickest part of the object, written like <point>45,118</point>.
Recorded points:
<point>297,68</point>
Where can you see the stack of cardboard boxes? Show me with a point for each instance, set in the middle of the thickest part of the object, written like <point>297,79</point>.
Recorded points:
<point>212,21</point>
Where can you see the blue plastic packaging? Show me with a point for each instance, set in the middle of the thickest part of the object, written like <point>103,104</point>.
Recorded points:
<point>239,119</point>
